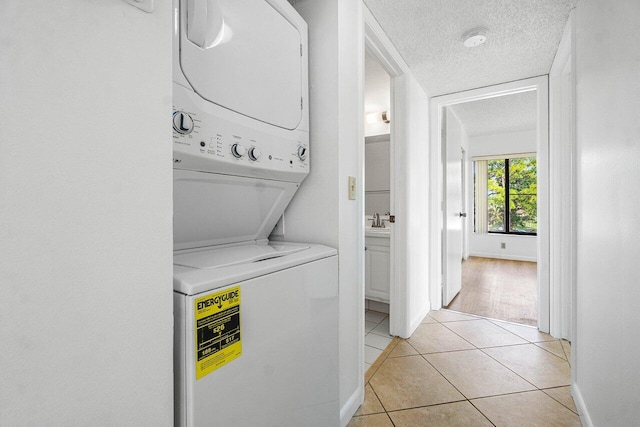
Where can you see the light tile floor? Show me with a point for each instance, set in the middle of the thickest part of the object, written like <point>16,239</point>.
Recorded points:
<point>376,336</point>
<point>460,370</point>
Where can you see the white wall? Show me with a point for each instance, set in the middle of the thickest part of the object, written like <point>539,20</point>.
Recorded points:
<point>503,143</point>
<point>518,248</point>
<point>377,94</point>
<point>607,66</point>
<point>521,248</point>
<point>86,318</point>
<point>377,184</point>
<point>321,211</point>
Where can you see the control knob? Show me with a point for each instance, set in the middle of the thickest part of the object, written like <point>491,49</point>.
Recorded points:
<point>254,153</point>
<point>302,153</point>
<point>238,150</point>
<point>182,122</point>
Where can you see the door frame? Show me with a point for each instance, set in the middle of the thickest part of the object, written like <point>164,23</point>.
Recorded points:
<point>379,45</point>
<point>563,188</point>
<point>541,85</point>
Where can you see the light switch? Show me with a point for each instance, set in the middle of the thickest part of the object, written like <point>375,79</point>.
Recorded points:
<point>352,188</point>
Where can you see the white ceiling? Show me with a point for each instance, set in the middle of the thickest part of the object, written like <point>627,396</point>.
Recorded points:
<point>523,37</point>
<point>508,113</point>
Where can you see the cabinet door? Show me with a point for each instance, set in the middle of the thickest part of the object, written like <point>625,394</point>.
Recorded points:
<point>377,273</point>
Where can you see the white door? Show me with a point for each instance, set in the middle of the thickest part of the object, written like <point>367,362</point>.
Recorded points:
<point>453,209</point>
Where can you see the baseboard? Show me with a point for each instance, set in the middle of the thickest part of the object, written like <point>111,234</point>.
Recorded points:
<point>581,406</point>
<point>381,307</point>
<point>508,257</point>
<point>415,322</point>
<point>352,405</point>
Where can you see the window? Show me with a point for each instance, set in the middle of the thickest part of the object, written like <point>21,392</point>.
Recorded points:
<point>511,201</point>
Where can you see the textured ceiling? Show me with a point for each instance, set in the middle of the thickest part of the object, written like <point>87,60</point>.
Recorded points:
<point>508,113</point>
<point>522,39</point>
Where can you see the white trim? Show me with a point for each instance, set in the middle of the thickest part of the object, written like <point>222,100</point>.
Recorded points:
<point>507,257</point>
<point>543,206</point>
<point>416,321</point>
<point>585,418</point>
<point>562,189</point>
<point>504,156</point>
<point>352,405</point>
<point>540,85</point>
<point>381,47</point>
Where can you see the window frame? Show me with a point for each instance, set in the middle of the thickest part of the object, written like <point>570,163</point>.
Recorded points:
<point>507,192</point>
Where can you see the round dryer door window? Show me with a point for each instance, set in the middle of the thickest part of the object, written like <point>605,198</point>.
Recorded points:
<point>244,56</point>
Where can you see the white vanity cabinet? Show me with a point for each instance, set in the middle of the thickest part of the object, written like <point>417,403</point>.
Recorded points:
<point>377,268</point>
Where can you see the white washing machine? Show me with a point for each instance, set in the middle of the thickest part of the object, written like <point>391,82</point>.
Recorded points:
<point>256,322</point>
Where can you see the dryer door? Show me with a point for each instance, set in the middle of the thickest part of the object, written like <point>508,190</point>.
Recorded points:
<point>244,56</point>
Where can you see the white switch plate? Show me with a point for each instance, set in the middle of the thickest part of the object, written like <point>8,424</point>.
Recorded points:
<point>352,188</point>
<point>146,5</point>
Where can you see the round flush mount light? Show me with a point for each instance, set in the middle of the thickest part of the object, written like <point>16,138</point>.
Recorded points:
<point>475,37</point>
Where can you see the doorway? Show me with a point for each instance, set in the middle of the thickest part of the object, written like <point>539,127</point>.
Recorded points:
<point>499,231</point>
<point>525,246</point>
<point>377,207</point>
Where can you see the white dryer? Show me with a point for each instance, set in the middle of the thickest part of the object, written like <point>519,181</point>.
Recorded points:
<point>256,322</point>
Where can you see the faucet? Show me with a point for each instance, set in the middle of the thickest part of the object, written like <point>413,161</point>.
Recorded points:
<point>376,221</point>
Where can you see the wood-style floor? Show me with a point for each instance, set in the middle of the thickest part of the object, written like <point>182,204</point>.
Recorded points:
<point>499,289</point>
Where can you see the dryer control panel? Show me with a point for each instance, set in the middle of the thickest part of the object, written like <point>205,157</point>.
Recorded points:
<point>220,141</point>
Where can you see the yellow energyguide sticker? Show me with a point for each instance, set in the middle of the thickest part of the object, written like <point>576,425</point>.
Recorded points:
<point>217,326</point>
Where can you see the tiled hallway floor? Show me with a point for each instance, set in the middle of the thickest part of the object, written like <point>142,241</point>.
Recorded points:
<point>460,370</point>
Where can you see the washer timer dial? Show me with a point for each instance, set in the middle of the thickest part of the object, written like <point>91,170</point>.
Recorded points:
<point>182,122</point>
<point>302,153</point>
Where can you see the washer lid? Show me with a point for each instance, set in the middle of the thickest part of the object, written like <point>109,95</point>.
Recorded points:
<point>212,209</point>
<point>233,255</point>
<point>244,56</point>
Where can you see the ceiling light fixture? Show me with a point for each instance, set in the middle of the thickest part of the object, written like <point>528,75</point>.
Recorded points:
<point>379,116</point>
<point>475,37</point>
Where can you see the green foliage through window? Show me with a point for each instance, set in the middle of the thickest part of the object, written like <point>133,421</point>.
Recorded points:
<point>512,195</point>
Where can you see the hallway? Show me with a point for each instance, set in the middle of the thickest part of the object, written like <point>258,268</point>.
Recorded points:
<point>462,370</point>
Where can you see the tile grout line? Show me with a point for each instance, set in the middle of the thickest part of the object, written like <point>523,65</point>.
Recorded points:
<point>550,352</point>
<point>550,388</point>
<point>483,414</point>
<point>447,379</point>
<point>524,379</point>
<point>388,353</point>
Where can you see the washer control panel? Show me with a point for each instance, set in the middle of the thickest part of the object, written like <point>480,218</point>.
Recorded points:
<point>221,141</point>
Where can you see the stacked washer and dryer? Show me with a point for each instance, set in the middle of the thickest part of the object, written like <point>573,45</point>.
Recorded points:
<point>256,322</point>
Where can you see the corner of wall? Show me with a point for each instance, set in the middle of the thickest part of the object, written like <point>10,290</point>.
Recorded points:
<point>351,406</point>
<point>581,406</point>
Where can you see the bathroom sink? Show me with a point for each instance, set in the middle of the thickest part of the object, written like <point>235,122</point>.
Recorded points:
<point>377,231</point>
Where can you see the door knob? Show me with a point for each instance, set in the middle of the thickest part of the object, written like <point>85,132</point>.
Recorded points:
<point>463,214</point>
